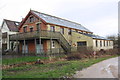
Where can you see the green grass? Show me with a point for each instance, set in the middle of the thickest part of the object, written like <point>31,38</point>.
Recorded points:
<point>21,59</point>
<point>51,70</point>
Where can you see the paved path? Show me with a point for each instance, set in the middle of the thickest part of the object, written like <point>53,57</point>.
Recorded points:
<point>105,69</point>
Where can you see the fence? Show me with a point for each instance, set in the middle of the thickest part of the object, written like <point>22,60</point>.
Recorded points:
<point>49,52</point>
<point>60,51</point>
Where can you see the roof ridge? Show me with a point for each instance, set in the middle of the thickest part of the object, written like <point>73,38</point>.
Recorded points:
<point>11,20</point>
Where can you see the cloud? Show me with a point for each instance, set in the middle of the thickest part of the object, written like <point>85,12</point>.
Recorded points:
<point>97,15</point>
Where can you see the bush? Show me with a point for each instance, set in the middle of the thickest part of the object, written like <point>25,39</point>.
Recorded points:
<point>74,56</point>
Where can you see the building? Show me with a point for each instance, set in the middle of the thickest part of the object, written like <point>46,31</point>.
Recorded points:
<point>42,33</point>
<point>8,27</point>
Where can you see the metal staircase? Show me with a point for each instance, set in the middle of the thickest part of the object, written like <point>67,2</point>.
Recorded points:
<point>59,37</point>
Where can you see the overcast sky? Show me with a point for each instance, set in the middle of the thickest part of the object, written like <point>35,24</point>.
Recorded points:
<point>99,16</point>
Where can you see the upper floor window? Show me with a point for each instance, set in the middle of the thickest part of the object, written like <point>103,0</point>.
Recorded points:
<point>31,29</point>
<point>38,27</point>
<point>69,31</point>
<point>25,29</point>
<point>52,28</point>
<point>31,19</point>
<point>62,30</point>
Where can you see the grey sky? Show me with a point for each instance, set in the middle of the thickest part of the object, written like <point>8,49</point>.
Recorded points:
<point>99,16</point>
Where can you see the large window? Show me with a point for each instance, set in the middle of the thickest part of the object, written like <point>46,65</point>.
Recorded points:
<point>52,28</point>
<point>25,29</point>
<point>62,30</point>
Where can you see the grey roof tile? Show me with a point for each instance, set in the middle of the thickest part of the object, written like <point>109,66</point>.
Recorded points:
<point>12,25</point>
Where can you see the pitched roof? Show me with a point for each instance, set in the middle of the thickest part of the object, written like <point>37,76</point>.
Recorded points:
<point>95,36</point>
<point>60,21</point>
<point>12,25</point>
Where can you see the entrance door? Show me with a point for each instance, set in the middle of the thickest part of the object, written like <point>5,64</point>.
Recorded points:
<point>39,48</point>
<point>25,48</point>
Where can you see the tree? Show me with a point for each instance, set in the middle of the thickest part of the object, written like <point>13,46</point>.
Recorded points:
<point>115,40</point>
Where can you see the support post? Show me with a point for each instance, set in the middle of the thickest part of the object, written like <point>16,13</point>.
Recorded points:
<point>24,46</point>
<point>35,46</point>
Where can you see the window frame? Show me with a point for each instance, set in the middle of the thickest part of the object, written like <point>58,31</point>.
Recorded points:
<point>25,29</point>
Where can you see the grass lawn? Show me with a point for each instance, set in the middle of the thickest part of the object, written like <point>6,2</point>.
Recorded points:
<point>51,70</point>
<point>22,59</point>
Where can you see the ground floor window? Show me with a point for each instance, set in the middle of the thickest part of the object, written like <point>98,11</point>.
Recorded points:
<point>53,44</point>
<point>81,43</point>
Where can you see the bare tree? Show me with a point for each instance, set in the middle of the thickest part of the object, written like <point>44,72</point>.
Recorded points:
<point>114,38</point>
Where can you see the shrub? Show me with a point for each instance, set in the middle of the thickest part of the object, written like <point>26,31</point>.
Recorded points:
<point>74,56</point>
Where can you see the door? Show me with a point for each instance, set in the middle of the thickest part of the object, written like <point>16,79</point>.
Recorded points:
<point>24,48</point>
<point>39,48</point>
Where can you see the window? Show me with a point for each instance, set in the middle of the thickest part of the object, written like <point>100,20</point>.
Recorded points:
<point>62,30</point>
<point>52,28</point>
<point>96,43</point>
<point>69,31</point>
<point>104,42</point>
<point>107,43</point>
<point>31,19</point>
<point>31,29</point>
<point>53,44</point>
<point>25,29</point>
<point>38,27</point>
<point>100,43</point>
<point>81,43</point>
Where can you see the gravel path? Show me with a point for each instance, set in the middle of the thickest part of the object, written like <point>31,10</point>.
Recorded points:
<point>105,69</point>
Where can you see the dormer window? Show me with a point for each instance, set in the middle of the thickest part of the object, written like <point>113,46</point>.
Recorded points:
<point>31,19</point>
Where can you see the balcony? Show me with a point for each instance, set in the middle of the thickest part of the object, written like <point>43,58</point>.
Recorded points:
<point>43,35</point>
<point>35,34</point>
